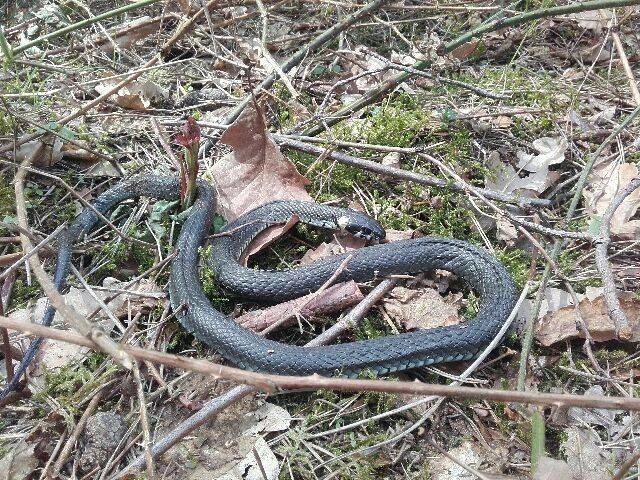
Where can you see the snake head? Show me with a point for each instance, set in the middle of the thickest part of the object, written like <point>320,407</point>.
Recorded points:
<point>361,225</point>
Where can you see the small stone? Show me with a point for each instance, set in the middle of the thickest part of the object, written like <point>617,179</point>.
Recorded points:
<point>102,434</point>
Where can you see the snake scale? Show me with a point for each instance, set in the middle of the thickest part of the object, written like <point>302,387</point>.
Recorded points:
<point>482,271</point>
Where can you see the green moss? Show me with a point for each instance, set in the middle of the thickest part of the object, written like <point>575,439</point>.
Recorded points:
<point>517,262</point>
<point>394,123</point>
<point>71,383</point>
<point>23,293</point>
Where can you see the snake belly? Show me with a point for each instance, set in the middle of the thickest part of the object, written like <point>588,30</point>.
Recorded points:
<point>486,276</point>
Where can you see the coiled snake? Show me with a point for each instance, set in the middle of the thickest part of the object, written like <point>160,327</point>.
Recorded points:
<point>250,351</point>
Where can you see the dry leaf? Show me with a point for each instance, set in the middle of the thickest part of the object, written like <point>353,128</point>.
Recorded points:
<point>422,309</point>
<point>594,20</point>
<point>602,186</point>
<point>585,458</point>
<point>558,325</point>
<point>256,172</point>
<point>138,95</point>
<point>504,178</point>
<point>594,416</point>
<point>552,469</point>
<point>44,154</point>
<point>267,237</point>
<point>341,243</point>
<point>56,354</point>
<point>507,231</point>
<point>235,451</point>
<point>19,462</point>
<point>465,50</point>
<point>550,152</point>
<point>129,33</point>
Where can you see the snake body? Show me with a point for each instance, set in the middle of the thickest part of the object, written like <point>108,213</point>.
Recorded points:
<point>249,351</point>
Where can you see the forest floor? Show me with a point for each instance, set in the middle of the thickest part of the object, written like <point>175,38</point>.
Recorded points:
<point>512,126</point>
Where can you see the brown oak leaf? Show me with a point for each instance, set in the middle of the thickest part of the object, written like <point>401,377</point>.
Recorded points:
<point>256,172</point>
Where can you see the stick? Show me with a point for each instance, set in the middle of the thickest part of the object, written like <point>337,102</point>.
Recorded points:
<point>271,383</point>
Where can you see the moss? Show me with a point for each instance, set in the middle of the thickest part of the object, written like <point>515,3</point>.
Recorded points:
<point>23,293</point>
<point>395,123</point>
<point>517,262</point>
<point>71,383</point>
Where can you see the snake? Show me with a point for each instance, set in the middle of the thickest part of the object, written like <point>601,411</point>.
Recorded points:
<point>482,271</point>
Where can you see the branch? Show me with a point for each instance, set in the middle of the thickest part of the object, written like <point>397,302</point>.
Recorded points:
<point>527,342</point>
<point>270,383</point>
<point>614,309</point>
<point>400,173</point>
<point>83,23</point>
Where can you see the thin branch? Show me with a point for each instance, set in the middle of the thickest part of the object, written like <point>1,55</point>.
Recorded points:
<point>400,173</point>
<point>271,383</point>
<point>614,309</point>
<point>81,24</point>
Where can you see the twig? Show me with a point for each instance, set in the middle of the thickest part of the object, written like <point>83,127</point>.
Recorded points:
<point>313,296</point>
<point>336,298</point>
<point>527,342</point>
<point>144,421</point>
<point>626,466</point>
<point>57,301</point>
<point>75,434</point>
<point>627,68</point>
<point>457,461</point>
<point>400,173</point>
<point>463,376</point>
<point>28,255</point>
<point>614,309</point>
<point>297,57</point>
<point>214,406</point>
<point>271,383</point>
<point>83,23</point>
<point>4,303</point>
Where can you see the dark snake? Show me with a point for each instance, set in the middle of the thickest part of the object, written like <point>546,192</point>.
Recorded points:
<point>247,350</point>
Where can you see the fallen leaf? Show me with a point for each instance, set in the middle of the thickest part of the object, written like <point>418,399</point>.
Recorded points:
<point>505,178</point>
<point>507,231</point>
<point>586,459</point>
<point>423,308</point>
<point>594,416</point>
<point>552,469</point>
<point>468,453</point>
<point>594,20</point>
<point>44,153</point>
<point>463,51</point>
<point>19,462</point>
<point>603,184</point>
<point>128,34</point>
<point>266,237</point>
<point>271,418</point>
<point>560,324</point>
<point>256,172</point>
<point>58,354</point>
<point>340,243</point>
<point>138,95</point>
<point>550,152</point>
<point>391,159</point>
